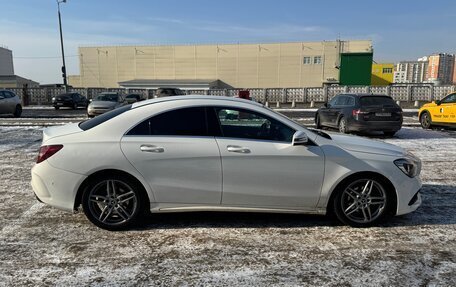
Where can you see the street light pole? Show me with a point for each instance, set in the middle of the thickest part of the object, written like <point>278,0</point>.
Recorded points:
<point>61,44</point>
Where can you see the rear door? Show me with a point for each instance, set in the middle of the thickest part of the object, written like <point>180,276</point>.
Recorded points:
<point>175,154</point>
<point>324,112</point>
<point>261,167</point>
<point>336,109</point>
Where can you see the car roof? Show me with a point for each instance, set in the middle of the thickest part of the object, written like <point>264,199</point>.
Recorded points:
<point>363,95</point>
<point>194,98</point>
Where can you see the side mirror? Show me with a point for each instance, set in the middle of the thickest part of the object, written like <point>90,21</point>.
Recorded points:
<point>2,97</point>
<point>438,102</point>
<point>300,138</point>
<point>326,105</point>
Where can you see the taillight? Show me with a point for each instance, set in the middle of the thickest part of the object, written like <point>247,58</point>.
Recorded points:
<point>358,112</point>
<point>47,151</point>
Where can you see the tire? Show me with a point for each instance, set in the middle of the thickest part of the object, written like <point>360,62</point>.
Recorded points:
<point>17,111</point>
<point>425,120</point>
<point>390,134</point>
<point>343,125</point>
<point>318,121</point>
<point>113,202</point>
<point>362,202</point>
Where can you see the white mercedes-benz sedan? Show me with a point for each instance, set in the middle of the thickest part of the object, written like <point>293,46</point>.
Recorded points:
<point>207,153</point>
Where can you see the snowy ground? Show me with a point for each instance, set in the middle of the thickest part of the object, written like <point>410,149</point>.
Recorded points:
<point>40,245</point>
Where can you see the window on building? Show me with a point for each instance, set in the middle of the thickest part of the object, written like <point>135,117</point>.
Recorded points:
<point>387,70</point>
<point>307,60</point>
<point>317,60</point>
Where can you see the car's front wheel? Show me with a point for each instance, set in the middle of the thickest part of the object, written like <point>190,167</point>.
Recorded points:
<point>425,120</point>
<point>362,202</point>
<point>112,202</point>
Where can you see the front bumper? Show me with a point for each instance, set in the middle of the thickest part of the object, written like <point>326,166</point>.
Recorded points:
<point>408,196</point>
<point>54,186</point>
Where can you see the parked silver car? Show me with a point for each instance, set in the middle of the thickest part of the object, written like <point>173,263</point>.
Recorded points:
<point>104,102</point>
<point>10,103</point>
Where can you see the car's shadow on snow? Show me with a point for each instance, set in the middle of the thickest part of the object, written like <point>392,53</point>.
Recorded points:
<point>437,208</point>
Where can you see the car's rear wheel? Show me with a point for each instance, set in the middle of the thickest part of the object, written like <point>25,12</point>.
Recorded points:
<point>112,202</point>
<point>318,121</point>
<point>343,125</point>
<point>18,111</point>
<point>425,120</point>
<point>362,202</point>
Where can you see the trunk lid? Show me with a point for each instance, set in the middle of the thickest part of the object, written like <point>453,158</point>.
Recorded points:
<point>58,131</point>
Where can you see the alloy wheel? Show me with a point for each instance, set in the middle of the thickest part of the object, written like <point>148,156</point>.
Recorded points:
<point>112,202</point>
<point>343,126</point>
<point>425,120</point>
<point>363,201</point>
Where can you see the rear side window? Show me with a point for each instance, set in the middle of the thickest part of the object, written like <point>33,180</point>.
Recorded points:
<point>180,122</point>
<point>377,101</point>
<point>87,125</point>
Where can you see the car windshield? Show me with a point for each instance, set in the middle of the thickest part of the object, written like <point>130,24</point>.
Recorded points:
<point>107,97</point>
<point>377,101</point>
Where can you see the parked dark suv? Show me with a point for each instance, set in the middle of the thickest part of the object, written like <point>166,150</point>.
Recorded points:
<point>361,113</point>
<point>71,100</point>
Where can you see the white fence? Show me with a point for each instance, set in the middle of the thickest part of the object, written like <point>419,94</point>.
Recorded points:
<point>403,93</point>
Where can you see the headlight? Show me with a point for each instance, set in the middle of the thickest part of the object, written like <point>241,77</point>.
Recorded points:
<point>410,166</point>
<point>53,99</point>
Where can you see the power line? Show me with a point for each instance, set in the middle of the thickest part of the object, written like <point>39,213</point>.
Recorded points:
<point>45,57</point>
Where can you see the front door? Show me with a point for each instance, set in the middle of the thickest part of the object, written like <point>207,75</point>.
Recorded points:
<point>261,167</point>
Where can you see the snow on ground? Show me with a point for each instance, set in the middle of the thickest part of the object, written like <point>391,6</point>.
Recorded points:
<point>40,245</point>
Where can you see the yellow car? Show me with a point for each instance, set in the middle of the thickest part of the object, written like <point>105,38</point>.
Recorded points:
<point>439,113</point>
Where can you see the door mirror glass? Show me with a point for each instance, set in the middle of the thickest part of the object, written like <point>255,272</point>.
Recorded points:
<point>300,138</point>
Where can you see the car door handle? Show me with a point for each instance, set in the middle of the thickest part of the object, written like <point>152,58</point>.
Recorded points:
<point>151,148</point>
<point>238,149</point>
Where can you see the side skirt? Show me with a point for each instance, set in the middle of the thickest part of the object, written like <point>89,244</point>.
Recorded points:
<point>169,207</point>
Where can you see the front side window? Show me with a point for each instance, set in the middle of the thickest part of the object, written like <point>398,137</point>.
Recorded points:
<point>245,124</point>
<point>341,101</point>
<point>180,122</point>
<point>332,102</point>
<point>449,99</point>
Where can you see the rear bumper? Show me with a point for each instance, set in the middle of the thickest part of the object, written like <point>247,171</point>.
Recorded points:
<point>54,186</point>
<point>387,126</point>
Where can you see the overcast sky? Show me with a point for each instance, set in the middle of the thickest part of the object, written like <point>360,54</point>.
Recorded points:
<point>400,29</point>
